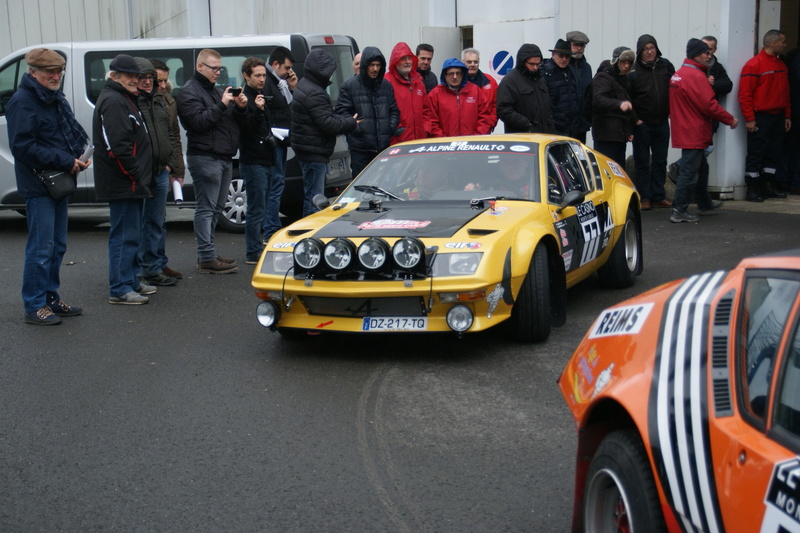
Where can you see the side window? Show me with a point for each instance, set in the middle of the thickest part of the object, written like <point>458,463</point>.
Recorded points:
<point>787,412</point>
<point>569,168</point>
<point>765,308</point>
<point>10,77</point>
<point>555,184</point>
<point>580,155</point>
<point>179,61</point>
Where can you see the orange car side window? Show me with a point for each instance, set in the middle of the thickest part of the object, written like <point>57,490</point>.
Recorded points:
<point>787,414</point>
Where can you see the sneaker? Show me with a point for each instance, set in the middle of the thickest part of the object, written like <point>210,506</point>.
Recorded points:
<point>160,279</point>
<point>715,204</point>
<point>216,267</point>
<point>43,317</point>
<point>662,203</point>
<point>226,260</point>
<point>172,273</point>
<point>144,288</point>
<point>683,216</point>
<point>252,261</point>
<point>673,172</point>
<point>130,298</point>
<point>59,308</point>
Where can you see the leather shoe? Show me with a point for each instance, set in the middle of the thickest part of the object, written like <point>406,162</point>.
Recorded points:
<point>172,273</point>
<point>768,191</point>
<point>663,203</point>
<point>753,195</point>
<point>646,205</point>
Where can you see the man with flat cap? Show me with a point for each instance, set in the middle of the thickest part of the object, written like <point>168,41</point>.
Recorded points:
<point>523,101</point>
<point>43,134</point>
<point>564,98</point>
<point>123,174</point>
<point>581,69</point>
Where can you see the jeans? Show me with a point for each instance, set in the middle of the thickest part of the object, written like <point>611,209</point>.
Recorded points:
<point>313,183</point>
<point>256,180</point>
<point>152,257</point>
<point>44,251</point>
<point>707,152</point>
<point>212,181</point>
<point>123,245</point>
<point>693,178</point>
<point>272,217</point>
<point>649,175</point>
<point>359,160</point>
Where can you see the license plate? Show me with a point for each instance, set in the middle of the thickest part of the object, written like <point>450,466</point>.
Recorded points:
<point>395,323</point>
<point>336,166</point>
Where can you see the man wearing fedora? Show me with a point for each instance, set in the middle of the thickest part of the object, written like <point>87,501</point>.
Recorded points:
<point>564,98</point>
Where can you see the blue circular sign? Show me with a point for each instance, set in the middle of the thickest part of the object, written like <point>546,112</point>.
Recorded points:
<point>502,62</point>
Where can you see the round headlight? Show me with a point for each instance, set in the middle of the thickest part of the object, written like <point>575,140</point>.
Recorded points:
<point>459,318</point>
<point>372,253</point>
<point>267,314</point>
<point>339,253</point>
<point>308,253</point>
<point>408,252</point>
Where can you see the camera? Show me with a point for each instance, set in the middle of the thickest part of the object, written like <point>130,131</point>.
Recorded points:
<point>236,92</point>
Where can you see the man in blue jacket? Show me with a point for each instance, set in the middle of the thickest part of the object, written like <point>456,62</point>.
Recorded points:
<point>44,135</point>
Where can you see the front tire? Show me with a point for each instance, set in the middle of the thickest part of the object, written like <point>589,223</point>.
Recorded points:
<point>625,261</point>
<point>620,492</point>
<point>530,316</point>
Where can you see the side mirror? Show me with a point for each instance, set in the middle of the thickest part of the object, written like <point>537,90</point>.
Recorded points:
<point>572,198</point>
<point>320,201</point>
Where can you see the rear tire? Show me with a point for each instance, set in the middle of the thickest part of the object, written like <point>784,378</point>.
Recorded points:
<point>624,263</point>
<point>530,316</point>
<point>620,490</point>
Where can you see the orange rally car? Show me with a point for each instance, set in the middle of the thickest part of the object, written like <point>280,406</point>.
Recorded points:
<point>687,403</point>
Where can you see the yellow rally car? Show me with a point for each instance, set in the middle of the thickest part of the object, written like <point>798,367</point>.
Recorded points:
<point>687,402</point>
<point>455,234</point>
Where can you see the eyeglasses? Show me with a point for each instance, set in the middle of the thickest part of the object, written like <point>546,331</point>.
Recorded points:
<point>533,64</point>
<point>649,49</point>
<point>213,69</point>
<point>147,78</point>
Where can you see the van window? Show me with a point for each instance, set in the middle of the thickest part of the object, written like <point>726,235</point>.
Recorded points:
<point>10,78</point>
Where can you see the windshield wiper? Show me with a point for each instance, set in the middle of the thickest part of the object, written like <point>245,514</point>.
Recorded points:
<point>377,190</point>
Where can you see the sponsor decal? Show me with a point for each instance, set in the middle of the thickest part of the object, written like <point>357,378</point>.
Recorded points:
<point>626,320</point>
<point>494,298</point>
<point>459,245</point>
<point>459,146</point>
<point>615,168</point>
<point>471,100</point>
<point>567,256</point>
<point>783,498</point>
<point>497,210</point>
<point>583,377</point>
<point>602,380</point>
<point>395,151</point>
<point>282,245</point>
<point>394,224</point>
<point>347,200</point>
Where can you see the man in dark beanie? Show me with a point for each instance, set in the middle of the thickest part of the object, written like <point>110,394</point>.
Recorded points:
<point>523,101</point>
<point>693,109</point>
<point>44,135</point>
<point>612,111</point>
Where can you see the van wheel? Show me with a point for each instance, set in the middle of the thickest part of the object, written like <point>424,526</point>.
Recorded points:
<point>235,211</point>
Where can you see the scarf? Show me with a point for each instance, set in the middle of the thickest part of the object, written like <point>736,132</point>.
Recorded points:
<point>283,85</point>
<point>73,132</point>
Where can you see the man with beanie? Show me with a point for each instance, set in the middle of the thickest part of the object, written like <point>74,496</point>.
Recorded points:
<point>581,71</point>
<point>523,101</point>
<point>211,117</point>
<point>43,134</point>
<point>371,97</point>
<point>613,117</point>
<point>693,109</point>
<point>564,98</point>
<point>409,93</point>
<point>649,82</point>
<point>152,254</point>
<point>765,103</point>
<point>455,106</point>
<point>315,125</point>
<point>123,175</point>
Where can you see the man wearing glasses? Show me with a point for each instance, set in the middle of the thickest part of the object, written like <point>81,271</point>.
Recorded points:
<point>523,101</point>
<point>211,118</point>
<point>44,135</point>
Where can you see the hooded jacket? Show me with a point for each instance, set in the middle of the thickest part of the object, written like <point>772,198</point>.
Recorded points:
<point>609,89</point>
<point>564,98</point>
<point>650,84</point>
<point>489,85</point>
<point>211,127</point>
<point>373,100</point>
<point>523,101</point>
<point>693,107</point>
<point>123,157</point>
<point>314,124</point>
<point>409,94</point>
<point>457,112</point>
<point>155,114</point>
<point>764,87</point>
<point>35,137</point>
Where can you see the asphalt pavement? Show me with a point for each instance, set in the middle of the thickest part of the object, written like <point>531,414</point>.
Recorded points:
<point>186,415</point>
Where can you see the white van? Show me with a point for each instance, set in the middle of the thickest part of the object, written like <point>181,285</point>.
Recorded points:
<point>88,62</point>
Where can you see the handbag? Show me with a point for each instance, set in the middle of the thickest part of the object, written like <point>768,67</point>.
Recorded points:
<point>59,183</point>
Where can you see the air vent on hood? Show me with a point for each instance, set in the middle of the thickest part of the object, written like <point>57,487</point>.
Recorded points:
<point>475,231</point>
<point>297,232</point>
<point>720,350</point>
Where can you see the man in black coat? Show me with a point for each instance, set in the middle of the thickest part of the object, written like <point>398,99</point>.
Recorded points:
<point>612,111</point>
<point>581,69</point>
<point>566,104</point>
<point>315,125</point>
<point>523,101</point>
<point>372,98</point>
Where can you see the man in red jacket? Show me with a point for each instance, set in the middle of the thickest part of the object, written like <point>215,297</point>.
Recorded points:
<point>764,99</point>
<point>456,107</point>
<point>693,109</point>
<point>409,93</point>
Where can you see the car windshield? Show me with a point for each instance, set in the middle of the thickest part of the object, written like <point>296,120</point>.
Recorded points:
<point>450,171</point>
